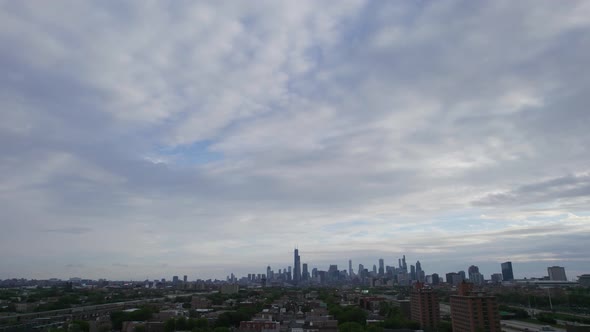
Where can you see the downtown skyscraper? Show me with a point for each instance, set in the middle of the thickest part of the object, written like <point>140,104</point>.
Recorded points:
<point>296,266</point>
<point>507,273</point>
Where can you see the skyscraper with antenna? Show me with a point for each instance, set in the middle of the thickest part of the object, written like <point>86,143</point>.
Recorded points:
<point>296,266</point>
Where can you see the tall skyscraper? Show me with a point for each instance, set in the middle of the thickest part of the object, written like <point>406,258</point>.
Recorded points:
<point>507,273</point>
<point>360,271</point>
<point>350,268</point>
<point>435,279</point>
<point>462,274</point>
<point>419,272</point>
<point>305,272</point>
<point>404,265</point>
<point>374,269</point>
<point>474,311</point>
<point>474,275</point>
<point>381,267</point>
<point>412,272</point>
<point>424,305</point>
<point>556,273</point>
<point>268,273</point>
<point>296,266</point>
<point>333,272</point>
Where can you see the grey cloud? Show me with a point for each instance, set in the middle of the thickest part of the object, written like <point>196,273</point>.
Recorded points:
<point>73,230</point>
<point>396,114</point>
<point>544,191</point>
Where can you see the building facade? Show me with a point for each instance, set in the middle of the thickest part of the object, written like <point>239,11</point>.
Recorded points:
<point>474,311</point>
<point>424,306</point>
<point>556,273</point>
<point>296,266</point>
<point>507,273</point>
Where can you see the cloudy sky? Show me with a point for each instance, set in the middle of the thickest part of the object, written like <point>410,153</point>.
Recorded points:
<point>155,138</point>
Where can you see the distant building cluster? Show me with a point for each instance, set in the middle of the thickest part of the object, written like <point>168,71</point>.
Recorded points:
<point>404,288</point>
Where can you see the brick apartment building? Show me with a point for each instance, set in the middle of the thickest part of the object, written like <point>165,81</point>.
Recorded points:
<point>474,311</point>
<point>424,306</point>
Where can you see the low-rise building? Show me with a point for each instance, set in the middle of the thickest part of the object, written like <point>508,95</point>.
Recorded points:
<point>259,326</point>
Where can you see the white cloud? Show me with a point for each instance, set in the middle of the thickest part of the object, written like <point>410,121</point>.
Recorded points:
<point>388,120</point>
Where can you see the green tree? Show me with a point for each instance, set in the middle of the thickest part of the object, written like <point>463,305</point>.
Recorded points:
<point>231,318</point>
<point>445,326</point>
<point>374,328</point>
<point>80,325</point>
<point>351,327</point>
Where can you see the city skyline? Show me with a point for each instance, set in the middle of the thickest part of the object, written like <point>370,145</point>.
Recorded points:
<point>286,267</point>
<point>204,138</point>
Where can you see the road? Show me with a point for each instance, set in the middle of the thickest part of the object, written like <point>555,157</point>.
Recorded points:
<point>515,325</point>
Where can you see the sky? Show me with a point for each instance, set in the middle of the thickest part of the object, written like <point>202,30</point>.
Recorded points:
<point>146,139</point>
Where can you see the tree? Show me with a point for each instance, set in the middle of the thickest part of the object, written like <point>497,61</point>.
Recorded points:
<point>351,327</point>
<point>80,325</point>
<point>374,328</point>
<point>445,326</point>
<point>231,318</point>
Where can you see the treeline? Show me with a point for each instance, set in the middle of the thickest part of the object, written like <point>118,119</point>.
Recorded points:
<point>518,312</point>
<point>191,324</point>
<point>573,299</point>
<point>144,313</point>
<point>223,322</point>
<point>354,319</point>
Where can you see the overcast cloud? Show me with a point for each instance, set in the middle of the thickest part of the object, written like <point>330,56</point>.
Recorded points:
<point>150,139</point>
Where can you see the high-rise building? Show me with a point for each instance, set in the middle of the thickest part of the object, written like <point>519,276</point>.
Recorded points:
<point>360,271</point>
<point>435,279</point>
<point>333,272</point>
<point>412,272</point>
<point>404,265</point>
<point>350,268</point>
<point>305,272</point>
<point>449,277</point>
<point>496,278</point>
<point>381,267</point>
<point>474,311</point>
<point>424,305</point>
<point>374,270</point>
<point>419,272</point>
<point>454,278</point>
<point>507,273</point>
<point>556,273</point>
<point>474,276</point>
<point>462,274</point>
<point>268,273</point>
<point>296,266</point>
